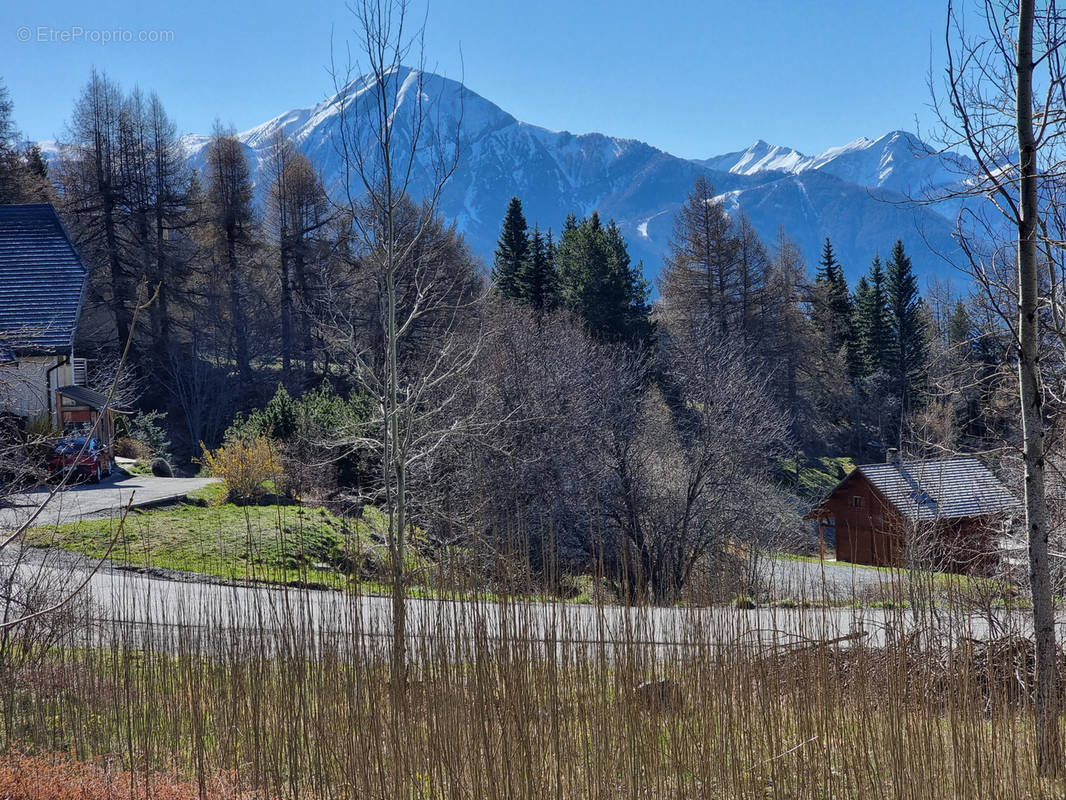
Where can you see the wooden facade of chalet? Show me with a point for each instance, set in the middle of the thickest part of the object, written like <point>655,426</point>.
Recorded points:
<point>945,514</point>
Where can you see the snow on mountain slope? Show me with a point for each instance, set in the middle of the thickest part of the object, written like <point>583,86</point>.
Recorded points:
<point>839,193</point>
<point>899,161</point>
<point>760,157</point>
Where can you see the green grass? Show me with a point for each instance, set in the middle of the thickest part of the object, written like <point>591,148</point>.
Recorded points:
<point>276,544</point>
<point>813,478</point>
<point>138,468</point>
<point>214,494</point>
<point>271,543</point>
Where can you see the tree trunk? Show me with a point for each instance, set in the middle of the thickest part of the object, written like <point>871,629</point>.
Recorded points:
<point>161,308</point>
<point>286,308</point>
<point>1036,516</point>
<point>240,332</point>
<point>123,296</point>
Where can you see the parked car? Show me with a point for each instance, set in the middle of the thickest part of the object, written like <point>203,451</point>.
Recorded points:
<point>87,455</point>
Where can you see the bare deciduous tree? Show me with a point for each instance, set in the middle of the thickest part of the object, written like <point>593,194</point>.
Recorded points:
<point>390,143</point>
<point>1003,102</point>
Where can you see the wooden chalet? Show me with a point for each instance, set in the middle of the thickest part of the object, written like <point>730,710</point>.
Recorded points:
<point>944,514</point>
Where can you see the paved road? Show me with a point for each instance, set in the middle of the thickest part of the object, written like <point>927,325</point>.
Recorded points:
<point>95,500</point>
<point>141,611</point>
<point>809,579</point>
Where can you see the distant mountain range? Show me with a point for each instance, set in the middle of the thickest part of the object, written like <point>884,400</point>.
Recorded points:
<point>856,194</point>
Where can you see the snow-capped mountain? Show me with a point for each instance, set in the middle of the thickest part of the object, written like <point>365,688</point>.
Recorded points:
<point>898,161</point>
<point>854,194</point>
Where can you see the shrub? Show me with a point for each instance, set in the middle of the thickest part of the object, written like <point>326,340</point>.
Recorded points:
<point>126,447</point>
<point>244,466</point>
<point>161,468</point>
<point>147,429</point>
<point>306,431</point>
<point>25,776</point>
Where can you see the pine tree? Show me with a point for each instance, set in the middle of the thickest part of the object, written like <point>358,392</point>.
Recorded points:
<point>837,315</point>
<point>23,174</point>
<point>9,161</point>
<point>35,162</point>
<point>537,277</point>
<point>512,252</point>
<point>598,282</point>
<point>908,353</point>
<point>960,327</point>
<point>873,323</point>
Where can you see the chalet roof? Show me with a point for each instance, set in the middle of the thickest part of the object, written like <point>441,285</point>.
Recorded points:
<point>42,281</point>
<point>84,396</point>
<point>940,489</point>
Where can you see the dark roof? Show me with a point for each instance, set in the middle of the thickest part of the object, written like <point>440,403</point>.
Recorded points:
<point>42,281</point>
<point>940,489</point>
<point>83,396</point>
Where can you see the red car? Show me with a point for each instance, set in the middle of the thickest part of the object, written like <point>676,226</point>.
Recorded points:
<point>88,456</point>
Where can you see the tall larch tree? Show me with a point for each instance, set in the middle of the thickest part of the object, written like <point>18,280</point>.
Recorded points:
<point>297,211</point>
<point>155,204</point>
<point>94,198</point>
<point>699,282</point>
<point>229,200</point>
<point>753,266</point>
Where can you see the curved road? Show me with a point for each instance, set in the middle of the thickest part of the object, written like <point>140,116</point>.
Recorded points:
<point>86,500</point>
<point>143,611</point>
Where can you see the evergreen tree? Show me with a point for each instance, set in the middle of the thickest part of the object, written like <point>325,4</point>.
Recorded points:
<point>836,315</point>
<point>512,252</point>
<point>907,360</point>
<point>9,161</point>
<point>960,328</point>
<point>598,282</point>
<point>23,174</point>
<point>873,322</point>
<point>230,218</point>
<point>35,162</point>
<point>537,277</point>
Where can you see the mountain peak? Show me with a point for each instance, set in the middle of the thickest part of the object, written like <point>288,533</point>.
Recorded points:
<point>631,182</point>
<point>758,157</point>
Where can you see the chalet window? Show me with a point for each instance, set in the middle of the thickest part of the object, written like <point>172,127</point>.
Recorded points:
<point>856,501</point>
<point>80,369</point>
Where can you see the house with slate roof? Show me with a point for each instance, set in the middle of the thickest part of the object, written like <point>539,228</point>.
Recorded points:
<point>42,286</point>
<point>946,514</point>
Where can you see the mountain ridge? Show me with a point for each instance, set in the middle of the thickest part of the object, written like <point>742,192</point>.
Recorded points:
<point>856,193</point>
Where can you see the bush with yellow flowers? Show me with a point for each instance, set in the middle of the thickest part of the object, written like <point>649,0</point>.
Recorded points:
<point>245,466</point>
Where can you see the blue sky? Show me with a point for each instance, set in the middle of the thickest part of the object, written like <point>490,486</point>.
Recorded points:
<point>694,78</point>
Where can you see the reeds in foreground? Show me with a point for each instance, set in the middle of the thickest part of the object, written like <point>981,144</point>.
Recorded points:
<point>287,693</point>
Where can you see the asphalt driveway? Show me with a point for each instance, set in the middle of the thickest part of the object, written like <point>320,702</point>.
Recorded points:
<point>87,500</point>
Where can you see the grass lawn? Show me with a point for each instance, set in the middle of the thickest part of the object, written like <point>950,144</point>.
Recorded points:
<point>273,543</point>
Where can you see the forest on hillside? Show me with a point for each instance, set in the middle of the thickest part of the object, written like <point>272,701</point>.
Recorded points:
<point>553,393</point>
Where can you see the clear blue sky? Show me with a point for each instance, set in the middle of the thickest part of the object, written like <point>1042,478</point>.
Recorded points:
<point>694,77</point>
